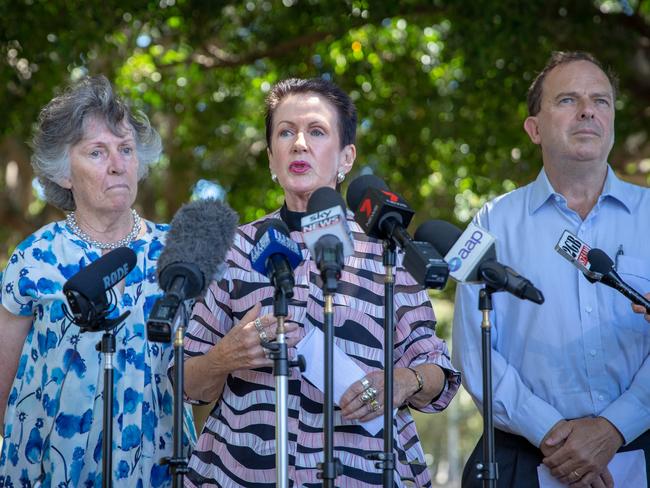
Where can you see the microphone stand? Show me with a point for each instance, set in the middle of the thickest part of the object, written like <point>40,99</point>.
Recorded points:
<point>279,352</point>
<point>178,461</point>
<point>386,459</point>
<point>107,348</point>
<point>488,470</point>
<point>329,257</point>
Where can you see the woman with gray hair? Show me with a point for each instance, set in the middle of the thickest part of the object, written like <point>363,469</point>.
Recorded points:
<point>90,151</point>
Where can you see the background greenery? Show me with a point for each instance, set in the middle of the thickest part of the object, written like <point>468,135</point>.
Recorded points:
<point>440,86</point>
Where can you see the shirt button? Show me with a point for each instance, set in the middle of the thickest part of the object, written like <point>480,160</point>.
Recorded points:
<point>592,352</point>
<point>601,397</point>
<point>588,309</point>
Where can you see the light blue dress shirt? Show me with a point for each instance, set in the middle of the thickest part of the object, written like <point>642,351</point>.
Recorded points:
<point>583,352</point>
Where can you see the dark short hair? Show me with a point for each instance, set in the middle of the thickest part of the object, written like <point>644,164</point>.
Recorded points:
<point>61,125</point>
<point>347,112</point>
<point>559,58</point>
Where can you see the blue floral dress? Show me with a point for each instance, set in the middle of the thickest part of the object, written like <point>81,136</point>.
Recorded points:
<point>53,422</point>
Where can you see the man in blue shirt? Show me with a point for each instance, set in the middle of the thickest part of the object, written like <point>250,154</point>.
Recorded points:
<point>571,378</point>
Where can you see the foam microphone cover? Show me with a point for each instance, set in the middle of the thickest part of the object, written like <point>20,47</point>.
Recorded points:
<point>201,233</point>
<point>599,261</point>
<point>324,198</point>
<point>95,279</point>
<point>440,234</point>
<point>358,187</point>
<point>276,224</point>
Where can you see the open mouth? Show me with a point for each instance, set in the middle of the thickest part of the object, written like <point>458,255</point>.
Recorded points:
<point>299,167</point>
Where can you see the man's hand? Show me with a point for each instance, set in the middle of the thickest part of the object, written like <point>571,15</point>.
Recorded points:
<point>559,432</point>
<point>586,446</point>
<point>640,309</point>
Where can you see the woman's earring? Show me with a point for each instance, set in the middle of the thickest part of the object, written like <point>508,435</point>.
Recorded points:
<point>340,176</point>
<point>274,178</point>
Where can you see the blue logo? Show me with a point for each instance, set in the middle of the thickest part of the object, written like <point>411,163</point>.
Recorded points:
<point>455,263</point>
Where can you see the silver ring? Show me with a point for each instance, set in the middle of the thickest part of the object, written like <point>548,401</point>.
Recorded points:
<point>368,395</point>
<point>365,383</point>
<point>575,475</point>
<point>260,330</point>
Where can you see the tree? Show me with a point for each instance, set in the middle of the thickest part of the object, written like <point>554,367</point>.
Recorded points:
<point>440,87</point>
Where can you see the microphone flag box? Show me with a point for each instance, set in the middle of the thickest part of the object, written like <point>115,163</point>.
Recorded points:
<point>329,221</point>
<point>576,251</point>
<point>468,251</point>
<point>377,204</point>
<point>274,242</point>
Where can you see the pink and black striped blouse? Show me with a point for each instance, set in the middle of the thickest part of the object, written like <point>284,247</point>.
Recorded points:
<point>237,445</point>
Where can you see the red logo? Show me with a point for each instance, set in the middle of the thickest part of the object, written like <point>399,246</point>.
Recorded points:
<point>391,196</point>
<point>366,207</point>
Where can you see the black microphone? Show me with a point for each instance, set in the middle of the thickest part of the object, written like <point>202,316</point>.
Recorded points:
<point>86,291</point>
<point>327,235</point>
<point>601,263</point>
<point>200,235</point>
<point>472,258</point>
<point>276,255</point>
<point>385,215</point>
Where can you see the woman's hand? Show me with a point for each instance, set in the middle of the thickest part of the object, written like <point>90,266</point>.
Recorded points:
<point>241,347</point>
<point>364,399</point>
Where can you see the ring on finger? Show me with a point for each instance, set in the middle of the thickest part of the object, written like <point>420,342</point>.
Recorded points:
<point>260,330</point>
<point>365,382</point>
<point>374,405</point>
<point>368,394</point>
<point>575,475</point>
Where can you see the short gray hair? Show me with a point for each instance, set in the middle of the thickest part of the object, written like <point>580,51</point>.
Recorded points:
<point>61,125</point>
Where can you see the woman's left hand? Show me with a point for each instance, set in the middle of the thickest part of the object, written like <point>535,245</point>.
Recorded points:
<point>364,400</point>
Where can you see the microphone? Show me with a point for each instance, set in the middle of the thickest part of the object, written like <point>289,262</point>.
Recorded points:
<point>385,215</point>
<point>200,235</point>
<point>576,251</point>
<point>86,290</point>
<point>327,235</point>
<point>603,264</point>
<point>276,255</point>
<point>472,258</point>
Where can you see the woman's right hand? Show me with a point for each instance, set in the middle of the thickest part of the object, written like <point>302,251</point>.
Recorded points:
<point>241,347</point>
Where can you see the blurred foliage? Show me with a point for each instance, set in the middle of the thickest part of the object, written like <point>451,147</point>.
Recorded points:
<point>440,86</point>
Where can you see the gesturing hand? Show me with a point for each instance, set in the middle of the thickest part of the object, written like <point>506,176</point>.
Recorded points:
<point>241,347</point>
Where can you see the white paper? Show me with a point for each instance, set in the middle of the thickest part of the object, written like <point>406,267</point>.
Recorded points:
<point>627,468</point>
<point>346,371</point>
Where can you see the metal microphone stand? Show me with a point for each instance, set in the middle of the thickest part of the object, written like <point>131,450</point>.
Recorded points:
<point>329,256</point>
<point>92,316</point>
<point>488,470</point>
<point>178,461</point>
<point>278,351</point>
<point>386,459</point>
<point>107,347</point>
<point>170,314</point>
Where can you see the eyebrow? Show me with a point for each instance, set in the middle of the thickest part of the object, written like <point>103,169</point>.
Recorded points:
<point>577,95</point>
<point>129,139</point>
<point>312,122</point>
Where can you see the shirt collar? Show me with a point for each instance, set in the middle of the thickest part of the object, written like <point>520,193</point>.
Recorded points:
<point>614,188</point>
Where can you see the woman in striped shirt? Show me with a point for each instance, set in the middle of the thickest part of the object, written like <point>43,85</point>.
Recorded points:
<point>310,130</point>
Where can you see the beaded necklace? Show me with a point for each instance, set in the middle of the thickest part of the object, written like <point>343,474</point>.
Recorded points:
<point>71,221</point>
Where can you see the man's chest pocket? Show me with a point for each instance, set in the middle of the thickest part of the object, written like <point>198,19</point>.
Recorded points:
<point>635,272</point>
